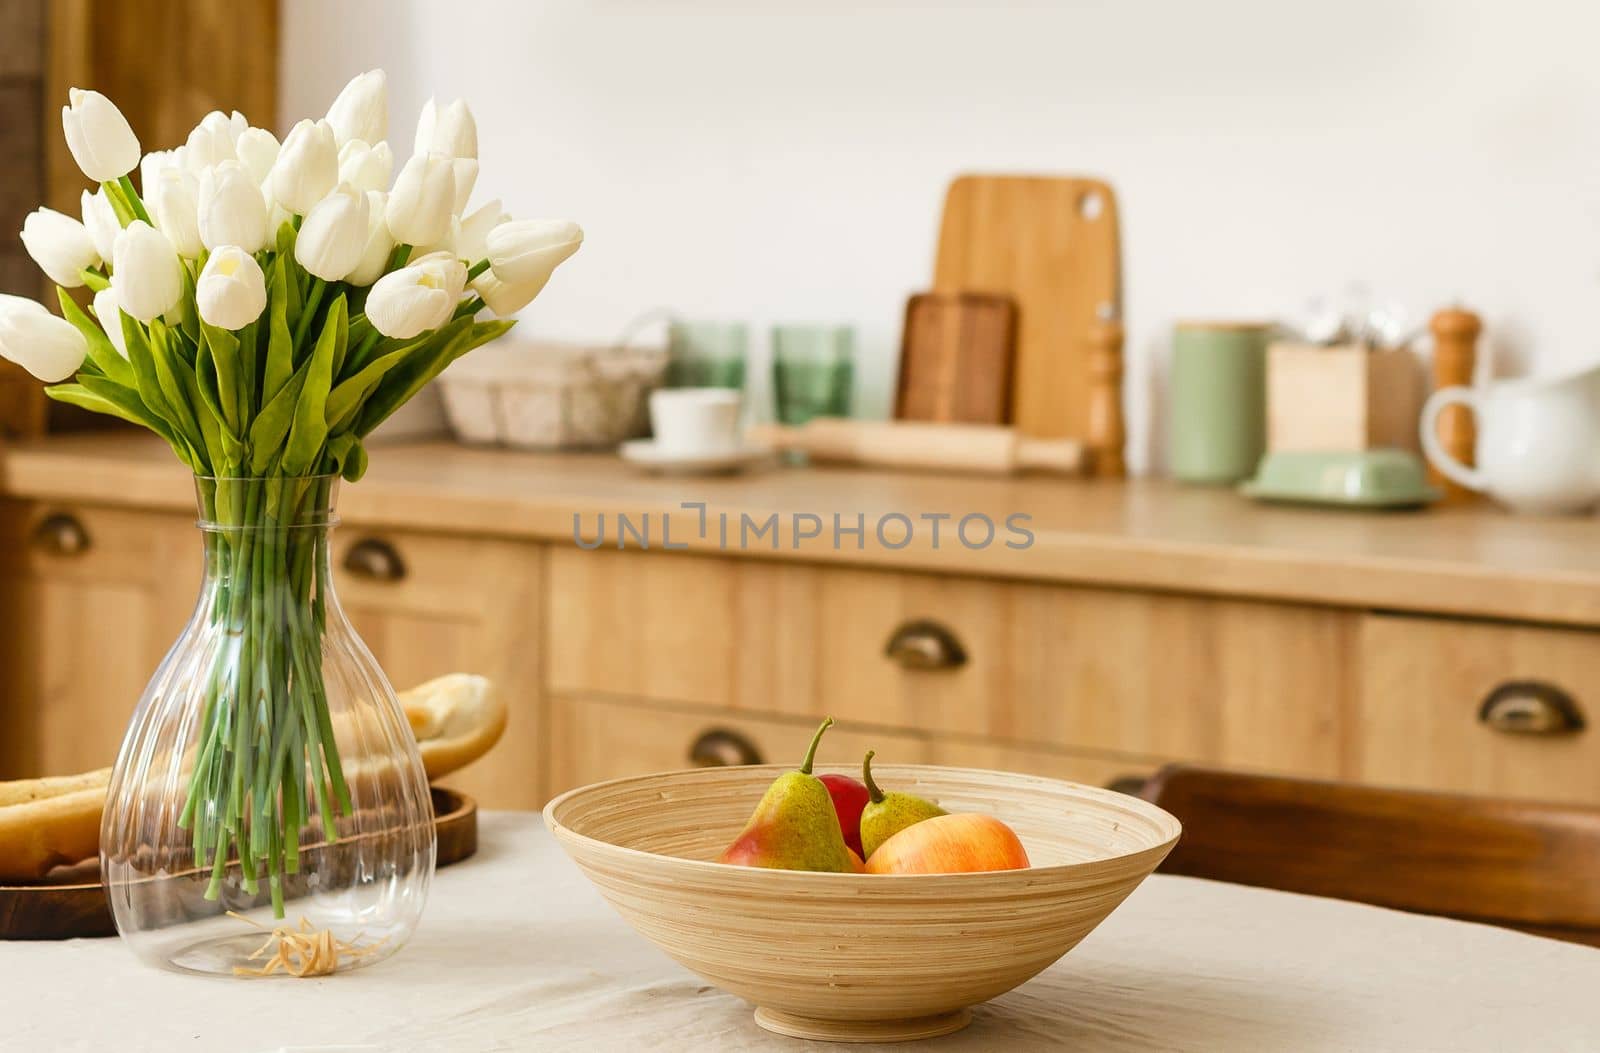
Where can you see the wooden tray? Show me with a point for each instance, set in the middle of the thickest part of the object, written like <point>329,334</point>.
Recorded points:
<point>955,359</point>
<point>76,906</point>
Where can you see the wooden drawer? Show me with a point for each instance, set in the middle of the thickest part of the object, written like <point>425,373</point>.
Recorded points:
<point>91,599</point>
<point>602,738</point>
<point>1244,684</point>
<point>430,604</point>
<point>1423,683</point>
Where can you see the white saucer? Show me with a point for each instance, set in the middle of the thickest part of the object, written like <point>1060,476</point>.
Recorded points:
<point>643,453</point>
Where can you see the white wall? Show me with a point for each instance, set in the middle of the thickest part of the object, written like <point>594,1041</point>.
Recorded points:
<point>786,160</point>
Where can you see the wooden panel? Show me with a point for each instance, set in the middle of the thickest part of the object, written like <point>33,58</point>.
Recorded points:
<point>463,605</point>
<point>601,738</point>
<point>1422,683</point>
<point>1050,244</point>
<point>86,631</point>
<point>594,739</point>
<point>21,39</point>
<point>1243,684</point>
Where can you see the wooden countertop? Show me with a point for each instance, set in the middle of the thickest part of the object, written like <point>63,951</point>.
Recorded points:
<point>1143,534</point>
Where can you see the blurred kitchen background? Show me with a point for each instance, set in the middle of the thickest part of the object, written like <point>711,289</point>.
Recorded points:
<point>775,161</point>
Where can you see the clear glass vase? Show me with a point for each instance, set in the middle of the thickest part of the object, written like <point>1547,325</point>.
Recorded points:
<point>268,811</point>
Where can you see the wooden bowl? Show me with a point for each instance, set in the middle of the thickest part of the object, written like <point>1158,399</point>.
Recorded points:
<point>858,957</point>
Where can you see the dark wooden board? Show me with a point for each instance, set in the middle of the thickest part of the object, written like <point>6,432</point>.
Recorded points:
<point>955,359</point>
<point>74,905</point>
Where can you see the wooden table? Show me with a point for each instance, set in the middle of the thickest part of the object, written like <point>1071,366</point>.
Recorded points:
<point>517,952</point>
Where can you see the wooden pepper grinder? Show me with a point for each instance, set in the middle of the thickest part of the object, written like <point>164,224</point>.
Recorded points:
<point>1107,431</point>
<point>1455,358</point>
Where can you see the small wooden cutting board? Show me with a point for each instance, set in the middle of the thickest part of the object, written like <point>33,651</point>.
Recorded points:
<point>955,359</point>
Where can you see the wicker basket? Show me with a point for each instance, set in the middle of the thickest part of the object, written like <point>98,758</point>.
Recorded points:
<point>551,397</point>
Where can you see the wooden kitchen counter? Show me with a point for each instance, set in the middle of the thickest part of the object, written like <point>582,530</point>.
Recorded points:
<point>1147,535</point>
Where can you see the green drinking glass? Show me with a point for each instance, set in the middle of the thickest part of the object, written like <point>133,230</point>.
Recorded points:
<point>706,354</point>
<point>813,367</point>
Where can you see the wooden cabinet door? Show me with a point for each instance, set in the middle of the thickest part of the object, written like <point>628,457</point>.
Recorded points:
<point>1419,718</point>
<point>430,604</point>
<point>91,599</point>
<point>1229,682</point>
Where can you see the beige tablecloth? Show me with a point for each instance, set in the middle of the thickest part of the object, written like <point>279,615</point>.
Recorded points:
<point>517,952</point>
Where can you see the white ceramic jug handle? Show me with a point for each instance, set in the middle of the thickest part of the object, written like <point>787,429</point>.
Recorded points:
<point>1452,469</point>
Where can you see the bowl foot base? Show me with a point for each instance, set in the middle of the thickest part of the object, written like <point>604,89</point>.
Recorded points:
<point>795,1026</point>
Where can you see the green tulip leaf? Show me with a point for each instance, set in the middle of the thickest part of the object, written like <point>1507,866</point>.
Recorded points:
<point>280,348</point>
<point>102,352</point>
<point>346,398</point>
<point>426,361</point>
<point>271,425</point>
<point>310,428</point>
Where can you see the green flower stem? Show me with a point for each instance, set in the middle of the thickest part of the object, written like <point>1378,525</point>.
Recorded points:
<point>477,269</point>
<point>309,310</point>
<point>266,729</point>
<point>397,258</point>
<point>132,198</point>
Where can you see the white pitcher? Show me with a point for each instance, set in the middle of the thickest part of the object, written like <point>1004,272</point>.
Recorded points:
<point>1538,441</point>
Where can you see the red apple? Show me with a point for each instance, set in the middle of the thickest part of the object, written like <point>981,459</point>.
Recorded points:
<point>950,844</point>
<point>849,797</point>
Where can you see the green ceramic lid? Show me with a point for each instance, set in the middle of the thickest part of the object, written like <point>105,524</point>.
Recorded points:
<point>1382,478</point>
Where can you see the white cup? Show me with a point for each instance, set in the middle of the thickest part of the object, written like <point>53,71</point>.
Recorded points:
<point>695,422</point>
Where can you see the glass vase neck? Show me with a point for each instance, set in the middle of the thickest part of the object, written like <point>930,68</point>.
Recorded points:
<point>305,502</point>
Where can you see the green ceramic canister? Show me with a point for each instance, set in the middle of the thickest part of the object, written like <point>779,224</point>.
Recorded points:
<point>1218,387</point>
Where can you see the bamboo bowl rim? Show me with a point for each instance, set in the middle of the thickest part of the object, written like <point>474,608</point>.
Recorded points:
<point>1168,827</point>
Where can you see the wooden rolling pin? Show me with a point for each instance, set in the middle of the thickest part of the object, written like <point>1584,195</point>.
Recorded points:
<point>979,448</point>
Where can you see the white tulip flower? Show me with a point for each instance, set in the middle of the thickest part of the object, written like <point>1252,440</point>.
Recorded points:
<point>155,162</point>
<point>366,167</point>
<point>507,298</point>
<point>334,234</point>
<point>448,130</point>
<point>470,234</point>
<point>50,348</point>
<point>525,251</point>
<point>211,142</point>
<point>414,299</point>
<point>109,313</point>
<point>8,302</point>
<point>99,137</point>
<point>60,245</point>
<point>232,210</point>
<point>379,245</point>
<point>100,220</point>
<point>232,291</point>
<point>149,276</point>
<point>258,150</point>
<point>175,207</point>
<point>466,172</point>
<point>307,167</point>
<point>420,205</point>
<point>362,110</point>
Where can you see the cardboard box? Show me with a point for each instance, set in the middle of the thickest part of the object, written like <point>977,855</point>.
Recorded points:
<point>1337,399</point>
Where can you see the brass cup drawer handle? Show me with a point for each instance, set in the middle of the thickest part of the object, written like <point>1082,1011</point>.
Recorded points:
<point>61,534</point>
<point>375,560</point>
<point>925,645</point>
<point>721,748</point>
<point>1528,707</point>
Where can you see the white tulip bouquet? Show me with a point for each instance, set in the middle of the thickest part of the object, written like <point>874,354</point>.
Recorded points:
<point>263,308</point>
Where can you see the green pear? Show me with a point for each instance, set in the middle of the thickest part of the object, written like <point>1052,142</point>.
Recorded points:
<point>886,814</point>
<point>794,827</point>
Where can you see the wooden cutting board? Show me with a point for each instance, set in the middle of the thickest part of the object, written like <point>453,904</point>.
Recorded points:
<point>955,359</point>
<point>74,904</point>
<point>1051,245</point>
